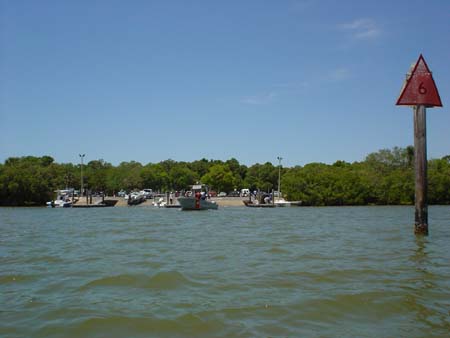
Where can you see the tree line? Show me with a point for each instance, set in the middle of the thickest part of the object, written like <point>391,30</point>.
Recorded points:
<point>385,177</point>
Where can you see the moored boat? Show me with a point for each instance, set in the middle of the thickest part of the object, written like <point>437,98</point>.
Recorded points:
<point>281,202</point>
<point>259,200</point>
<point>64,199</point>
<point>197,200</point>
<point>252,204</point>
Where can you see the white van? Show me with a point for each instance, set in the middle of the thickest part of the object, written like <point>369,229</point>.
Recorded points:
<point>245,192</point>
<point>148,193</point>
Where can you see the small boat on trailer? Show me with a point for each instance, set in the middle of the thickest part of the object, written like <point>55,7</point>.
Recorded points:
<point>136,198</point>
<point>198,199</point>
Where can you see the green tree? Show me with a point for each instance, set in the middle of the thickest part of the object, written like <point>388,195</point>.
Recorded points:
<point>181,177</point>
<point>439,181</point>
<point>219,177</point>
<point>97,175</point>
<point>151,177</point>
<point>262,177</point>
<point>200,167</point>
<point>384,177</point>
<point>127,175</point>
<point>26,181</point>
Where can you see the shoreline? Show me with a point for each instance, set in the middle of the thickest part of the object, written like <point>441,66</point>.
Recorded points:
<point>121,202</point>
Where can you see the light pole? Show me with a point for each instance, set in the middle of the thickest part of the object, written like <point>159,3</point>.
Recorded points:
<point>279,176</point>
<point>81,189</point>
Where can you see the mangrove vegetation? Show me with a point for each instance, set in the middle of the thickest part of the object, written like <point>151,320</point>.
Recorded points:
<point>385,177</point>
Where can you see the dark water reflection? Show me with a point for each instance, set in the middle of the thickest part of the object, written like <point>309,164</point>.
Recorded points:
<point>235,272</point>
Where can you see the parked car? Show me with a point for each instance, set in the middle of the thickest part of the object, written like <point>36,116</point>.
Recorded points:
<point>212,193</point>
<point>222,194</point>
<point>245,192</point>
<point>234,194</point>
<point>121,193</point>
<point>148,193</point>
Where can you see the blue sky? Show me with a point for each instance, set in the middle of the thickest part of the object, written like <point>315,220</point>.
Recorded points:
<point>308,80</point>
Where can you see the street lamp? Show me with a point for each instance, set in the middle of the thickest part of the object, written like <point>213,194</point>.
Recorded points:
<point>279,176</point>
<point>81,189</point>
<point>67,177</point>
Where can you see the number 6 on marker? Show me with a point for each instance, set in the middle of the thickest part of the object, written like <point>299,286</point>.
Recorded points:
<point>419,88</point>
<point>422,89</point>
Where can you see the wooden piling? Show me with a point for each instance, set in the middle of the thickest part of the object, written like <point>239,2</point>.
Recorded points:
<point>420,166</point>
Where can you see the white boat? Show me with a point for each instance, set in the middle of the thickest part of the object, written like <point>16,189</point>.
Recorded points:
<point>197,200</point>
<point>281,202</point>
<point>64,199</point>
<point>159,202</point>
<point>136,198</point>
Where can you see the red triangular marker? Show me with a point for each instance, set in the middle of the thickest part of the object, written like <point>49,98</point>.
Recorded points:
<point>420,88</point>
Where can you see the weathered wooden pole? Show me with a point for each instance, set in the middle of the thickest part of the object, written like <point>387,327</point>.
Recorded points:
<point>420,167</point>
<point>420,91</point>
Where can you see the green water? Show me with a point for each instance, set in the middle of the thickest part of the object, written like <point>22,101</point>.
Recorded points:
<point>234,272</point>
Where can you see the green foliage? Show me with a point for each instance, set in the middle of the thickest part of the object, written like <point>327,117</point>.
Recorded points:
<point>181,177</point>
<point>321,184</point>
<point>96,173</point>
<point>262,177</point>
<point>155,177</point>
<point>219,177</point>
<point>201,167</point>
<point>128,175</point>
<point>27,180</point>
<point>384,177</point>
<point>439,181</point>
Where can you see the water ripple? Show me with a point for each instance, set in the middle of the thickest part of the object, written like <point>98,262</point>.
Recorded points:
<point>162,281</point>
<point>235,272</point>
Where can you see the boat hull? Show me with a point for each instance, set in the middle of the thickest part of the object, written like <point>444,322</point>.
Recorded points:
<point>282,204</point>
<point>135,200</point>
<point>59,204</point>
<point>250,204</point>
<point>191,203</point>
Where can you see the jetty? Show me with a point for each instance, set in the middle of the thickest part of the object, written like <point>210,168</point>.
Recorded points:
<point>94,202</point>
